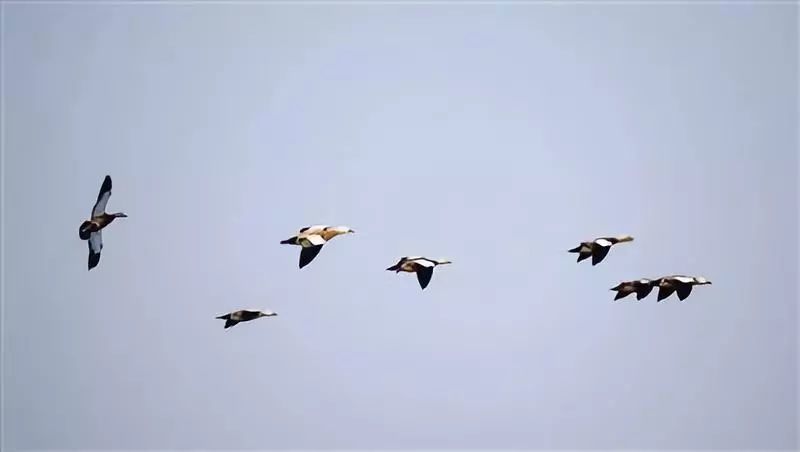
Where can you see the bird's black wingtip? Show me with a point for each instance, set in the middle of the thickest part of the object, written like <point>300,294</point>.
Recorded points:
<point>106,183</point>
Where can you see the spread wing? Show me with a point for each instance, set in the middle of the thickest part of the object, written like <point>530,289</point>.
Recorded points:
<point>683,291</point>
<point>102,197</point>
<point>424,275</point>
<point>307,254</point>
<point>664,291</point>
<point>312,229</point>
<point>599,253</point>
<point>313,239</point>
<point>424,262</point>
<point>95,246</point>
<point>622,294</point>
<point>643,291</point>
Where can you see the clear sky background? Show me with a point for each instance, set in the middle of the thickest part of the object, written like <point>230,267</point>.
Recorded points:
<point>494,135</point>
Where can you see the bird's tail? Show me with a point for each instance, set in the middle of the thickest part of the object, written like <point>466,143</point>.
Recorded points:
<point>224,317</point>
<point>289,241</point>
<point>394,268</point>
<point>577,249</point>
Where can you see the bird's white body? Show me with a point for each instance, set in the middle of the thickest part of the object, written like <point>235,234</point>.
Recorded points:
<point>422,266</point>
<point>312,238</point>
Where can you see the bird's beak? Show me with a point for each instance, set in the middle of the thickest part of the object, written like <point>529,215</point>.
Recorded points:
<point>352,231</point>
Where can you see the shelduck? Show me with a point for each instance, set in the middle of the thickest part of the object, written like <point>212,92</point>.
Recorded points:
<point>91,229</point>
<point>244,315</point>
<point>641,287</point>
<point>312,238</point>
<point>598,248</point>
<point>422,266</point>
<point>680,284</point>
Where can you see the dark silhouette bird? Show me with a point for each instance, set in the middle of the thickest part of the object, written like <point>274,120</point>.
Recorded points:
<point>422,266</point>
<point>598,248</point>
<point>641,287</point>
<point>680,284</point>
<point>244,315</point>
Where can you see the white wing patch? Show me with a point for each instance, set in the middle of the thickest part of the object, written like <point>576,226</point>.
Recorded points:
<point>684,279</point>
<point>425,262</point>
<point>96,241</point>
<point>100,207</point>
<point>603,242</point>
<point>312,240</point>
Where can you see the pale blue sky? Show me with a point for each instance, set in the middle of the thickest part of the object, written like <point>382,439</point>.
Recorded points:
<point>494,135</point>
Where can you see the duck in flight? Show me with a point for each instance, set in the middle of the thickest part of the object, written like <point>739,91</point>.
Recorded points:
<point>91,229</point>
<point>680,284</point>
<point>641,287</point>
<point>244,315</point>
<point>312,238</point>
<point>598,248</point>
<point>422,266</point>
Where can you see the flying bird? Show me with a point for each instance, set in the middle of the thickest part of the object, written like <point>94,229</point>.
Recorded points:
<point>91,229</point>
<point>641,287</point>
<point>682,285</point>
<point>312,238</point>
<point>598,248</point>
<point>244,315</point>
<point>422,266</point>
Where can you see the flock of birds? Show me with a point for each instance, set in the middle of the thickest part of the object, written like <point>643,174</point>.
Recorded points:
<point>311,239</point>
<point>597,249</point>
